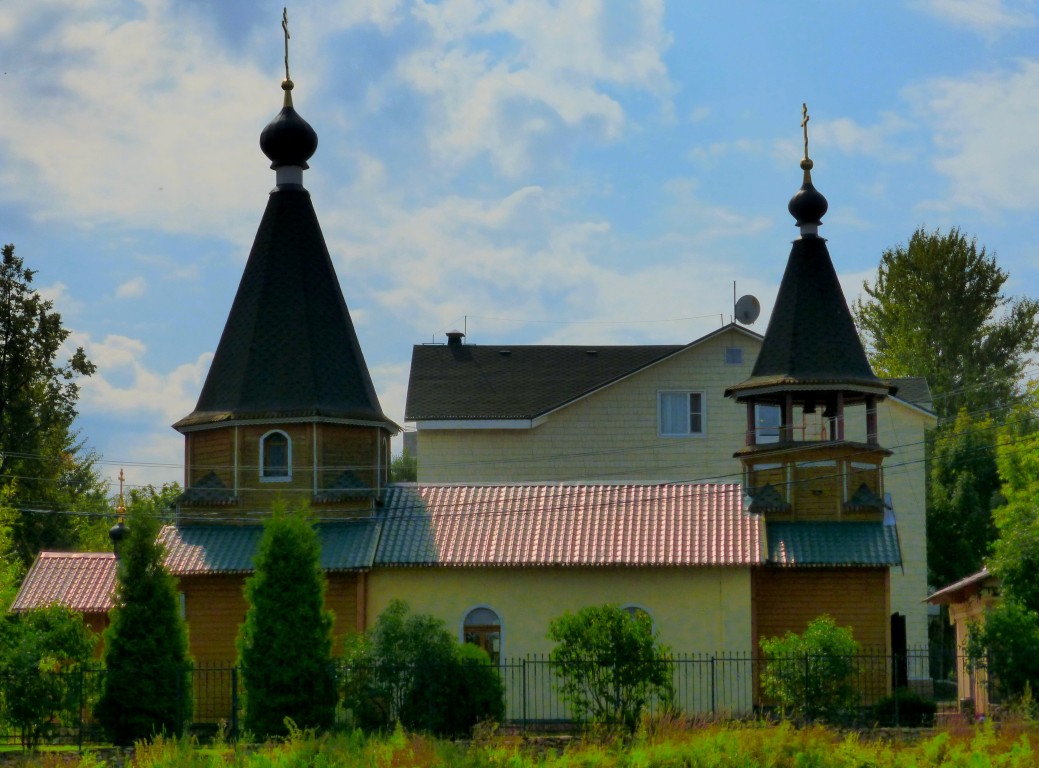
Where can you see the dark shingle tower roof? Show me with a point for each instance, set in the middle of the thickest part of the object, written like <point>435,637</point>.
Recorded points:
<point>289,349</point>
<point>811,339</point>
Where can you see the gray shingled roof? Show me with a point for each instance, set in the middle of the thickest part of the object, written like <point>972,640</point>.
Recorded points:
<point>811,339</point>
<point>470,381</point>
<point>289,348</point>
<point>913,390</point>
<point>833,544</point>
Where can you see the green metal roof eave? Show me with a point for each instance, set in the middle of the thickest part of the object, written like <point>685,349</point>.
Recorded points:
<point>844,544</point>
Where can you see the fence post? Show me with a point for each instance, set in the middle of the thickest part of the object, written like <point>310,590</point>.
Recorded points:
<point>894,692</point>
<point>714,683</point>
<point>79,712</point>
<point>234,703</point>
<point>523,672</point>
<point>807,694</point>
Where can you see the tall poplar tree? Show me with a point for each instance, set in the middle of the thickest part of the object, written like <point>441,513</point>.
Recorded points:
<point>937,310</point>
<point>285,644</point>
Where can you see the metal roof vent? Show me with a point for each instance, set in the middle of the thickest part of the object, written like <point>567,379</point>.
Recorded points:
<point>454,338</point>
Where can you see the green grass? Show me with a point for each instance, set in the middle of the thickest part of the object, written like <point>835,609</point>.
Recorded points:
<point>665,745</point>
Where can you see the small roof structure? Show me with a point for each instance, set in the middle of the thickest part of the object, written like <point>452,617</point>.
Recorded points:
<point>831,544</point>
<point>81,581</point>
<point>962,590</point>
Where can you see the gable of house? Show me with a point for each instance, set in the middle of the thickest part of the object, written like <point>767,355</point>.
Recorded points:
<point>607,426</point>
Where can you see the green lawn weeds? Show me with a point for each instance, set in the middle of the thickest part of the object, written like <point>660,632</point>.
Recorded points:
<point>765,745</point>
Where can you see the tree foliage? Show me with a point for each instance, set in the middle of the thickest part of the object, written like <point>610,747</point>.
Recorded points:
<point>612,664</point>
<point>1007,645</point>
<point>404,468</point>
<point>964,489</point>
<point>147,684</point>
<point>811,675</point>
<point>408,669</point>
<point>38,652</point>
<point>937,310</point>
<point>1015,557</point>
<point>285,644</point>
<point>40,454</point>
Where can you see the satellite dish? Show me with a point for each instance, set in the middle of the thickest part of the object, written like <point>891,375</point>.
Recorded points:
<point>747,309</point>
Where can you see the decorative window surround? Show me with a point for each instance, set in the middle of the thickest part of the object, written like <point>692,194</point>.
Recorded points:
<point>275,457</point>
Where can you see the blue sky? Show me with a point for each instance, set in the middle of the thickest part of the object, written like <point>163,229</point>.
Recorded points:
<point>569,171</point>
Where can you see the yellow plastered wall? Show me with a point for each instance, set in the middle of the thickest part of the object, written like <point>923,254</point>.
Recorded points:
<point>694,610</point>
<point>611,434</point>
<point>703,610</point>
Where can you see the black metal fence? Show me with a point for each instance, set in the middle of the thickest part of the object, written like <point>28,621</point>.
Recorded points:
<point>719,685</point>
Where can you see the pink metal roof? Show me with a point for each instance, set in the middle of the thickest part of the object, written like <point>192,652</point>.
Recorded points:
<point>677,524</point>
<point>82,581</point>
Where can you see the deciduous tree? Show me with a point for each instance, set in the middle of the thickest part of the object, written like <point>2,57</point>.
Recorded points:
<point>40,453</point>
<point>612,664</point>
<point>38,651</point>
<point>409,669</point>
<point>937,310</point>
<point>964,489</point>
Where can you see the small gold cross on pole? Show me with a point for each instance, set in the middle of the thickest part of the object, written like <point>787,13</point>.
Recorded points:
<point>804,125</point>
<point>285,27</point>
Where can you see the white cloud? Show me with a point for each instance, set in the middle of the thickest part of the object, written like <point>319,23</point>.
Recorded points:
<point>131,289</point>
<point>553,78</point>
<point>125,388</point>
<point>984,134</point>
<point>987,17</point>
<point>63,301</point>
<point>119,116</point>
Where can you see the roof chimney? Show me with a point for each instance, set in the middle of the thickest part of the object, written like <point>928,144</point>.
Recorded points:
<point>454,338</point>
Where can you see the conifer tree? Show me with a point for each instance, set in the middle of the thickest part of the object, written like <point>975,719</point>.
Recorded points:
<point>147,686</point>
<point>285,644</point>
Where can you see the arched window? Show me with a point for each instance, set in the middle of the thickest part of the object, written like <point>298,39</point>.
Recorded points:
<point>637,611</point>
<point>275,456</point>
<point>482,627</point>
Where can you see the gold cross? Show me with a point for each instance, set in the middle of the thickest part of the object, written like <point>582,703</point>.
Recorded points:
<point>285,26</point>
<point>121,509</point>
<point>804,125</point>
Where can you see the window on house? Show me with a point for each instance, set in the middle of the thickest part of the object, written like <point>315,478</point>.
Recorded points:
<point>733,356</point>
<point>635,611</point>
<point>767,420</point>
<point>681,413</point>
<point>275,456</point>
<point>482,628</point>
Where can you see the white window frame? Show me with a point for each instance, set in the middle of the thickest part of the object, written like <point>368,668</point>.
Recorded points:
<point>264,478</point>
<point>689,411</point>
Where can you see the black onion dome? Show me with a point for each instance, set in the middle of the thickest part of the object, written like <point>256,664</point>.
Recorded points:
<point>808,206</point>
<point>288,139</point>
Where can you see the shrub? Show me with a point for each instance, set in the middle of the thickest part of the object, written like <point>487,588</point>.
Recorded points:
<point>147,687</point>
<point>285,644</point>
<point>38,651</point>
<point>611,663</point>
<point>1007,644</point>
<point>812,675</point>
<point>408,669</point>
<point>905,708</point>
